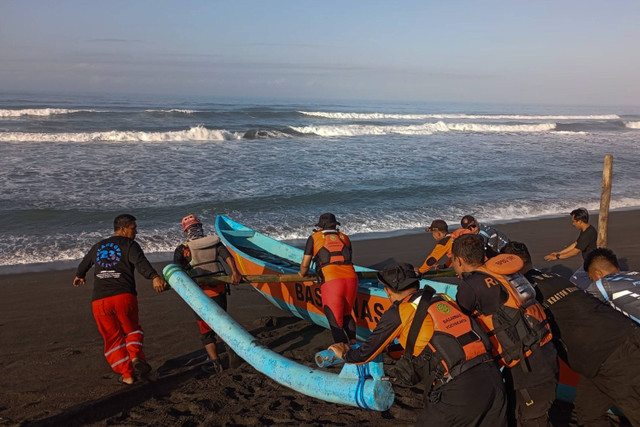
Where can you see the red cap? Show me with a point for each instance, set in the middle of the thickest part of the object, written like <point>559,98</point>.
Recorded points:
<point>189,220</point>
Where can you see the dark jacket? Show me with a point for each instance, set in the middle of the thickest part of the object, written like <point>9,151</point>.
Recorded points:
<point>586,329</point>
<point>115,260</point>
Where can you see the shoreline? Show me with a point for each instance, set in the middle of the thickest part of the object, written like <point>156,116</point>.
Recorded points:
<point>165,257</point>
<point>56,374</point>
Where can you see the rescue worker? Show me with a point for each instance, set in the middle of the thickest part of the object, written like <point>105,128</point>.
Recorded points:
<point>596,341</point>
<point>114,301</point>
<point>444,349</point>
<point>331,251</point>
<point>494,240</point>
<point>201,256</point>
<point>620,289</point>
<point>440,232</point>
<point>503,301</point>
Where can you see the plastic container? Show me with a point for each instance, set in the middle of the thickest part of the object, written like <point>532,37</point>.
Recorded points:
<point>523,289</point>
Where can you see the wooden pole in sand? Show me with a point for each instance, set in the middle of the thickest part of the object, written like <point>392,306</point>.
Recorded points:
<point>605,199</point>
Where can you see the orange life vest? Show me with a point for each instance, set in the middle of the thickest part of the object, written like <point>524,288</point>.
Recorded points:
<point>455,342</point>
<point>331,248</point>
<point>520,324</point>
<point>458,342</point>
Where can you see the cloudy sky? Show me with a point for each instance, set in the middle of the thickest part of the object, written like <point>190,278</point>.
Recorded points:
<point>550,52</point>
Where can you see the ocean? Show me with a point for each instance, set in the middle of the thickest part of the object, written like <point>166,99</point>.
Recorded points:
<point>70,163</point>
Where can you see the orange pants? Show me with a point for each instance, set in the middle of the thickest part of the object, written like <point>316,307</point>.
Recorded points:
<point>117,320</point>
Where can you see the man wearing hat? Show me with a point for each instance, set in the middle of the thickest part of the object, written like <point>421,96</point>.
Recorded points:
<point>444,348</point>
<point>201,256</point>
<point>440,232</point>
<point>331,251</point>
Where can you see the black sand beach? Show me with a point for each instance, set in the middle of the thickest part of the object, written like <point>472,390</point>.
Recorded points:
<point>54,373</point>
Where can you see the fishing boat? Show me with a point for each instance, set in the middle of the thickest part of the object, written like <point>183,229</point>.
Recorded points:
<point>258,254</point>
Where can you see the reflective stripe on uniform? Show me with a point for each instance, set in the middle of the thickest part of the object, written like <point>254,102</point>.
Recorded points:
<point>120,361</point>
<point>114,349</point>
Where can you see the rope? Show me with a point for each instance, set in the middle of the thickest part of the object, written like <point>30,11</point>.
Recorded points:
<point>363,375</point>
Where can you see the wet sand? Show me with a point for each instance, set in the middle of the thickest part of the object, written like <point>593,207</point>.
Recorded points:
<point>54,372</point>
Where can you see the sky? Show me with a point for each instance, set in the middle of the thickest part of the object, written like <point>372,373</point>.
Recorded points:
<point>579,52</point>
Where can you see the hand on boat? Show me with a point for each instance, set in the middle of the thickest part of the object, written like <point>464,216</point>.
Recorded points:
<point>159,284</point>
<point>236,277</point>
<point>339,349</point>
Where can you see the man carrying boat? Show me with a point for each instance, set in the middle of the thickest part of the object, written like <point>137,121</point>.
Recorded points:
<point>201,256</point>
<point>596,341</point>
<point>114,302</point>
<point>620,289</point>
<point>494,240</point>
<point>331,251</point>
<point>503,302</point>
<point>444,348</point>
<point>440,232</point>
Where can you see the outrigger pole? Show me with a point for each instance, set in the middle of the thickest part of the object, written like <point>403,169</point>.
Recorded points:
<point>285,278</point>
<point>367,389</point>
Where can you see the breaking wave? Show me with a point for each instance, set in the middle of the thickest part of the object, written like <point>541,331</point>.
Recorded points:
<point>41,112</point>
<point>173,110</point>
<point>632,125</point>
<point>379,116</point>
<point>201,133</point>
<point>424,129</point>
<point>198,133</point>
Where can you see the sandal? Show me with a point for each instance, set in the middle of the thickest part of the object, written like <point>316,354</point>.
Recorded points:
<point>141,368</point>
<point>213,367</point>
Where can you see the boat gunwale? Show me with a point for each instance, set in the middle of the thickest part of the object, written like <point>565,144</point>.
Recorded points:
<point>362,288</point>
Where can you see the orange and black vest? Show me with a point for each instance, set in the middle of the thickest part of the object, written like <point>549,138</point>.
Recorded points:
<point>519,325</point>
<point>331,248</point>
<point>445,341</point>
<point>458,342</point>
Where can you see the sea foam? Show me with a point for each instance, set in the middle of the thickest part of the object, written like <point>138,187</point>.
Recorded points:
<point>424,129</point>
<point>379,116</point>
<point>173,110</point>
<point>197,133</point>
<point>632,125</point>
<point>40,112</point>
